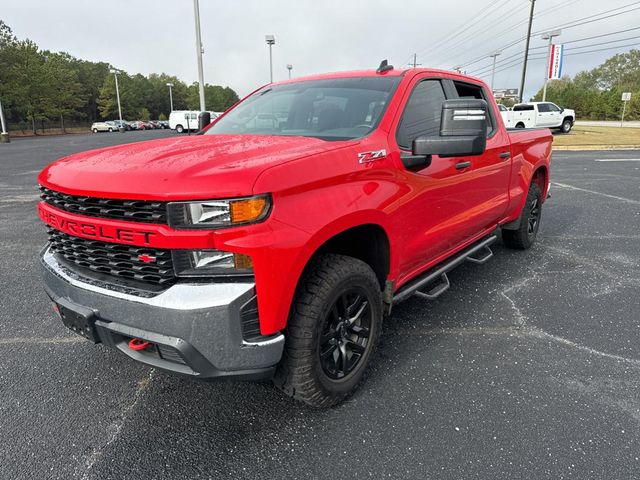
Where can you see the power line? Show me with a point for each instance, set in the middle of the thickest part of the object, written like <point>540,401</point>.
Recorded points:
<point>478,26</point>
<point>569,25</point>
<point>484,70</point>
<point>587,19</point>
<point>603,49</point>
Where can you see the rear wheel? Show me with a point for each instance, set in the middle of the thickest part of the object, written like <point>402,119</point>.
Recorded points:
<point>332,331</point>
<point>525,236</point>
<point>520,125</point>
<point>179,128</point>
<point>110,129</point>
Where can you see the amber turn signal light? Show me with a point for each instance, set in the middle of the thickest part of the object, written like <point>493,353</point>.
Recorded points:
<point>247,210</point>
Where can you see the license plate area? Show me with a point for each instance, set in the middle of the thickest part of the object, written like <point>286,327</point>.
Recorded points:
<point>79,320</point>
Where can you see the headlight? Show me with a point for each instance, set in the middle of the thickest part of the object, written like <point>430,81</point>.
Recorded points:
<point>219,213</point>
<point>211,263</point>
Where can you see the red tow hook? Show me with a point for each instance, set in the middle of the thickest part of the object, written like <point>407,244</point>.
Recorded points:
<point>138,344</point>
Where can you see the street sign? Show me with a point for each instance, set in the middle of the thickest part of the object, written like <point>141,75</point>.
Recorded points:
<point>626,96</point>
<point>555,62</point>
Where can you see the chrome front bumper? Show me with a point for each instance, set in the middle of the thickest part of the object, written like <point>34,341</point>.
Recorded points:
<point>195,327</point>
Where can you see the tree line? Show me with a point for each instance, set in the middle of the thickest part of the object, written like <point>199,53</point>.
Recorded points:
<point>597,94</point>
<point>40,85</point>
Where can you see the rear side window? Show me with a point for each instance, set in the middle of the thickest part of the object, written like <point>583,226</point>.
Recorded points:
<point>470,91</point>
<point>421,116</point>
<point>543,107</point>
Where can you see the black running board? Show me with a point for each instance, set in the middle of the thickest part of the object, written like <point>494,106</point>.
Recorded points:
<point>476,253</point>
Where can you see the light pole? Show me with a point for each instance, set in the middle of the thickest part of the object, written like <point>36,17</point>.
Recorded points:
<point>271,40</point>
<point>200,51</point>
<point>115,72</point>
<point>4,136</point>
<point>170,95</point>
<point>493,68</point>
<point>289,67</point>
<point>548,36</point>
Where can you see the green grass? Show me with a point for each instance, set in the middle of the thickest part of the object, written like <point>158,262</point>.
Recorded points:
<point>583,136</point>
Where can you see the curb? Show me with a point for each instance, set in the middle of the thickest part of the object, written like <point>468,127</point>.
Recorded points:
<point>577,148</point>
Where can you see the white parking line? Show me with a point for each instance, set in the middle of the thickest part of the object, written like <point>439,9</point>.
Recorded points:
<point>617,160</point>
<point>571,187</point>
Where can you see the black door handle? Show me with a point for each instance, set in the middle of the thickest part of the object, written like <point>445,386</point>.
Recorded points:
<point>463,165</point>
<point>505,155</point>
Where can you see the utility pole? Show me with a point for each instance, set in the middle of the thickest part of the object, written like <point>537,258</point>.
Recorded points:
<point>415,60</point>
<point>199,51</point>
<point>548,36</point>
<point>493,68</point>
<point>526,50</point>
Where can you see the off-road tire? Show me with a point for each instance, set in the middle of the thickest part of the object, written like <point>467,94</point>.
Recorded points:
<point>525,236</point>
<point>301,374</point>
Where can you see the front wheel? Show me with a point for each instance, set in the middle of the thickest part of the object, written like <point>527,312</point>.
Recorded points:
<point>95,130</point>
<point>566,126</point>
<point>525,236</point>
<point>332,332</point>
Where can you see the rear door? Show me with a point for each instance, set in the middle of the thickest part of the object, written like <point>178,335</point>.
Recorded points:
<point>431,221</point>
<point>555,115</point>
<point>544,115</point>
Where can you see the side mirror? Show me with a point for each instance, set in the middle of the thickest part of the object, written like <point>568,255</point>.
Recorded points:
<point>463,130</point>
<point>561,109</point>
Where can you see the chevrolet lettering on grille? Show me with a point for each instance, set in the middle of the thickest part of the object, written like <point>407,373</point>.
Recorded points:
<point>104,233</point>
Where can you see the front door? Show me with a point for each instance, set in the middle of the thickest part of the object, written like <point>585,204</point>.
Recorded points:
<point>432,220</point>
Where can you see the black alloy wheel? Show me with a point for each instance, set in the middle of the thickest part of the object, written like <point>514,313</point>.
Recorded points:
<point>533,221</point>
<point>345,335</point>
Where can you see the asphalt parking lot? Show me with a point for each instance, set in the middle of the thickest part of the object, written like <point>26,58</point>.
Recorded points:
<point>529,367</point>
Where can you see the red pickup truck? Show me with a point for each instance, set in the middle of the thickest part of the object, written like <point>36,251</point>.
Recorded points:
<point>273,244</point>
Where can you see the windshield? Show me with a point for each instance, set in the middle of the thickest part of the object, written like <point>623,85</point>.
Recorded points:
<point>333,109</point>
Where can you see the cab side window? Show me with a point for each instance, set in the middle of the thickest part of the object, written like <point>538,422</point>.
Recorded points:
<point>421,114</point>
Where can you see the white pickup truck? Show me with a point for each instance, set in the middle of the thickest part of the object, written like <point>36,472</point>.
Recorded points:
<point>539,115</point>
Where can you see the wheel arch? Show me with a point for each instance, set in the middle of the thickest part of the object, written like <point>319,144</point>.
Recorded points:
<point>367,242</point>
<point>541,178</point>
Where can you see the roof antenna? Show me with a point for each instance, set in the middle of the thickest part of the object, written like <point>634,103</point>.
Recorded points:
<point>384,67</point>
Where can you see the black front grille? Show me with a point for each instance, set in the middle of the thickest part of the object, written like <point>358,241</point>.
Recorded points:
<point>130,210</point>
<point>121,261</point>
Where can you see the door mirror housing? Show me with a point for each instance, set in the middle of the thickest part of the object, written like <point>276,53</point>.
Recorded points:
<point>463,130</point>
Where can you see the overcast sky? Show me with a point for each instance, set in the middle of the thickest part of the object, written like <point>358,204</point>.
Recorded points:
<point>317,35</point>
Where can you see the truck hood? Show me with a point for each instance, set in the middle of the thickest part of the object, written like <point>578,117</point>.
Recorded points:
<point>187,168</point>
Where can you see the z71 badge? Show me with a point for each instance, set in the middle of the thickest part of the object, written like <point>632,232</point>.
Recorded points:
<point>366,157</point>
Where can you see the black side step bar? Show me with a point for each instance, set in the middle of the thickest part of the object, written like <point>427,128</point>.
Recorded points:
<point>477,253</point>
